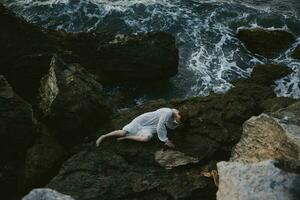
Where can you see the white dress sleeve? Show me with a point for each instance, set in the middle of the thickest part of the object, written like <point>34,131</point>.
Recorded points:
<point>161,126</point>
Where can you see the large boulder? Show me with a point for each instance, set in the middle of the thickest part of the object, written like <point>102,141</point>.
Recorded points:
<point>273,137</point>
<point>142,57</point>
<point>128,169</point>
<point>46,194</point>
<point>266,137</point>
<point>262,180</point>
<point>70,101</point>
<point>266,74</point>
<point>265,42</point>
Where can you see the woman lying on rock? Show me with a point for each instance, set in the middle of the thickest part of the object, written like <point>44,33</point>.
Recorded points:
<point>144,126</point>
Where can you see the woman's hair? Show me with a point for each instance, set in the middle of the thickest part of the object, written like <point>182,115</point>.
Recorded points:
<point>183,115</point>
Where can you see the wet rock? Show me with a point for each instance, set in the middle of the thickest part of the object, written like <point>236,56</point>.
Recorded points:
<point>266,74</point>
<point>260,180</point>
<point>46,194</point>
<point>70,101</point>
<point>296,53</point>
<point>170,159</point>
<point>265,137</point>
<point>261,41</point>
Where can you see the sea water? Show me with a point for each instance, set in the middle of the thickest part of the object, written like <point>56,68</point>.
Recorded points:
<point>210,55</point>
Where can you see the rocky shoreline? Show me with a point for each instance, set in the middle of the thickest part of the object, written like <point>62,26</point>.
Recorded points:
<point>52,109</point>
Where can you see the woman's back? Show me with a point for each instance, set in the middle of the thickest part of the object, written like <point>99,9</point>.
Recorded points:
<point>151,118</point>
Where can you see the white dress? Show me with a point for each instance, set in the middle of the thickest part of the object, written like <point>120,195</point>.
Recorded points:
<point>152,122</point>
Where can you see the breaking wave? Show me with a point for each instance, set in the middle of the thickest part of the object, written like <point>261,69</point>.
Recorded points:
<point>210,54</point>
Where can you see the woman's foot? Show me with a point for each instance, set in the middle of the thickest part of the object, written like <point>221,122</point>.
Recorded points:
<point>99,140</point>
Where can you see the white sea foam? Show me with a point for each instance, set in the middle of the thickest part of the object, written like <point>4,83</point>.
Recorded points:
<point>289,86</point>
<point>210,54</point>
<point>272,28</point>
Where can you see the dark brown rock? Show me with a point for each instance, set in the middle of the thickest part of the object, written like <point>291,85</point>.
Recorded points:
<point>142,57</point>
<point>266,74</point>
<point>267,43</point>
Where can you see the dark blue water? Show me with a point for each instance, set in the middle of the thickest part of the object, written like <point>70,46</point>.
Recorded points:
<point>210,54</point>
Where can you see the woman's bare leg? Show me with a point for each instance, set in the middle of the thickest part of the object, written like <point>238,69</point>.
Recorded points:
<point>138,138</point>
<point>117,133</point>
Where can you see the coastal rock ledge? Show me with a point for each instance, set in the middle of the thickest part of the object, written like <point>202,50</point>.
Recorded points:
<point>125,170</point>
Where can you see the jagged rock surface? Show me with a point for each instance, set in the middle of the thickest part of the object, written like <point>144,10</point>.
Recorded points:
<point>276,138</point>
<point>71,101</point>
<point>127,169</point>
<point>265,137</point>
